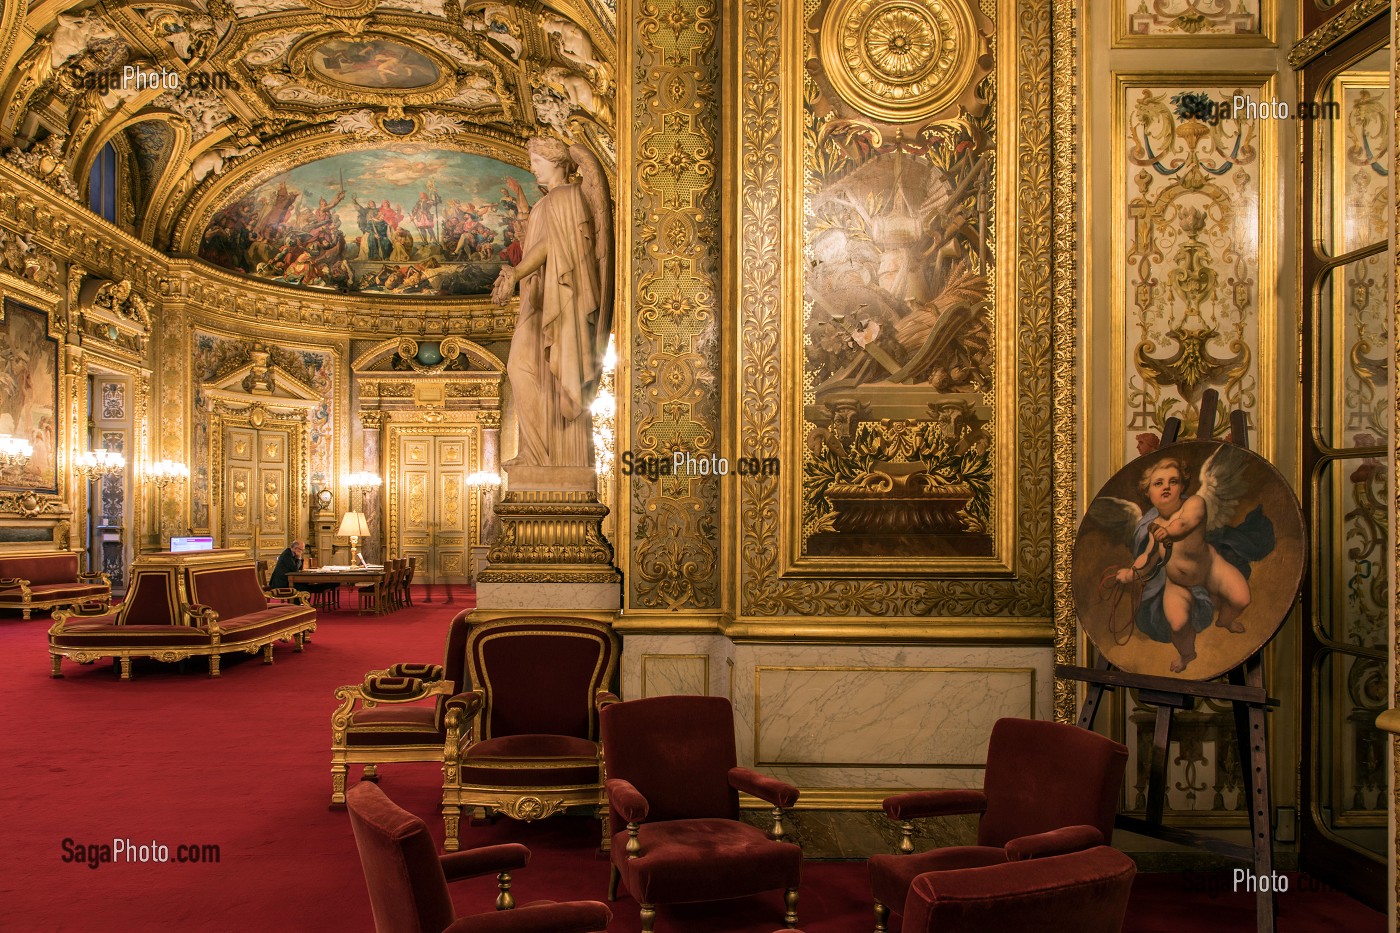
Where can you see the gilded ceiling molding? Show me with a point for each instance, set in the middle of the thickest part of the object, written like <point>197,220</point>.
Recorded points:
<point>1065,299</point>
<point>1334,30</point>
<point>766,86</point>
<point>673,330</point>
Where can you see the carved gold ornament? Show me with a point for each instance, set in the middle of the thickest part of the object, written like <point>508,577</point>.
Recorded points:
<point>899,61</point>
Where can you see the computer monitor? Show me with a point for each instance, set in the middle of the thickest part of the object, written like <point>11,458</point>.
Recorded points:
<point>186,544</point>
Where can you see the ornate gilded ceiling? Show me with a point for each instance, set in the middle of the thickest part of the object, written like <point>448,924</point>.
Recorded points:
<point>205,100</point>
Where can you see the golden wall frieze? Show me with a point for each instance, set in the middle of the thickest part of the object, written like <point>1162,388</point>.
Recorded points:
<point>1065,300</point>
<point>768,91</point>
<point>1334,30</point>
<point>672,280</point>
<point>75,234</point>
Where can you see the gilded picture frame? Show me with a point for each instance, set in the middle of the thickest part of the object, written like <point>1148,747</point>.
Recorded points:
<point>770,267</point>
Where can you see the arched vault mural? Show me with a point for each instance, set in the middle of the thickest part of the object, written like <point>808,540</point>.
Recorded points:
<point>427,222</point>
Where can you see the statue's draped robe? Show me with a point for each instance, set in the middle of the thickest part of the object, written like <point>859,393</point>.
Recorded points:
<point>552,352</point>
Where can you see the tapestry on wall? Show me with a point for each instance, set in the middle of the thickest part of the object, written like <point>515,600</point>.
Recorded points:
<point>29,387</point>
<point>429,222</point>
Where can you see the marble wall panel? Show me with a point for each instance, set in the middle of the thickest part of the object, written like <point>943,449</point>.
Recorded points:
<point>883,716</point>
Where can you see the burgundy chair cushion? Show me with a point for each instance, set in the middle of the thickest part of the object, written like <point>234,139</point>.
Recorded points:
<point>99,635</point>
<point>1083,892</point>
<point>406,886</point>
<point>61,590</point>
<point>229,591</point>
<point>58,567</point>
<point>891,875</point>
<point>516,747</point>
<point>393,724</point>
<point>508,664</point>
<point>265,622</point>
<point>703,860</point>
<point>497,762</point>
<point>1047,775</point>
<point>675,750</point>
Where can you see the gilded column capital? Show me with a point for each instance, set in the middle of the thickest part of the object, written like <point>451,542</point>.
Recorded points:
<point>374,419</point>
<point>489,420</point>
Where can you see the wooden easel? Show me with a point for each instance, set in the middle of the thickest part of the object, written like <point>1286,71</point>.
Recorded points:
<point>1245,691</point>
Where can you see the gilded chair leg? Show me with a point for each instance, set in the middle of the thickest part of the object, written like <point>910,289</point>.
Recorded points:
<point>300,642</point>
<point>614,876</point>
<point>505,900</point>
<point>213,665</point>
<point>58,672</point>
<point>882,915</point>
<point>267,653</point>
<point>126,668</point>
<point>451,824</point>
<point>790,899</point>
<point>906,838</point>
<point>371,773</point>
<point>338,785</point>
<point>604,818</point>
<point>648,918</point>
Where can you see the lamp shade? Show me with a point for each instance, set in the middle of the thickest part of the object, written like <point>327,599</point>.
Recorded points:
<point>354,524</point>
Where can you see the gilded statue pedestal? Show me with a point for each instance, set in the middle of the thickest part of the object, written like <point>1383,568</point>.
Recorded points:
<point>551,553</point>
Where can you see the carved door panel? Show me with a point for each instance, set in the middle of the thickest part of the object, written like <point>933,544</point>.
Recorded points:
<point>256,508</point>
<point>434,512</point>
<point>452,538</point>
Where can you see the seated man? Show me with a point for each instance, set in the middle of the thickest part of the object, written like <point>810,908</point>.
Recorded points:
<point>289,561</point>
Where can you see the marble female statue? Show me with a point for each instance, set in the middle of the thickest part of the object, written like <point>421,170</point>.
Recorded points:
<point>565,276</point>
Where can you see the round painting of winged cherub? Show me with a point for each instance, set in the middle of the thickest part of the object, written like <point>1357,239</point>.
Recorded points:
<point>1188,560</point>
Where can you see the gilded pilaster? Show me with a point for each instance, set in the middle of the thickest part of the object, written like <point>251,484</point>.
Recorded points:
<point>671,399</point>
<point>1066,95</point>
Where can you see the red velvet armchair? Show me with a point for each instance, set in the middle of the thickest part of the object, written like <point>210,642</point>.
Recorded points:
<point>1055,783</point>
<point>1079,892</point>
<point>407,879</point>
<point>385,718</point>
<point>673,790</point>
<point>522,738</point>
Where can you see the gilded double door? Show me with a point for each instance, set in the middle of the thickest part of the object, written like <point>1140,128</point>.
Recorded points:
<point>435,508</point>
<point>257,506</point>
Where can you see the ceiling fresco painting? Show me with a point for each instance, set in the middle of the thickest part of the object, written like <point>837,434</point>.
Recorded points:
<point>432,222</point>
<point>255,93</point>
<point>374,63</point>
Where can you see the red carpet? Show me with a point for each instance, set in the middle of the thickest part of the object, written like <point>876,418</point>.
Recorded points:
<point>242,762</point>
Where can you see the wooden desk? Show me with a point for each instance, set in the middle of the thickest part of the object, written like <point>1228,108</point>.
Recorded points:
<point>341,576</point>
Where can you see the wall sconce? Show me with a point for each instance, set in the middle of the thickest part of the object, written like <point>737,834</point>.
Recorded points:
<point>14,452</point>
<point>484,478</point>
<point>363,482</point>
<point>165,472</point>
<point>99,463</point>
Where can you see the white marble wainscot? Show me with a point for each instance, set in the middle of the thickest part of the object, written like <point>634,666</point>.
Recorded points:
<point>587,596</point>
<point>876,717</point>
<point>667,665</point>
